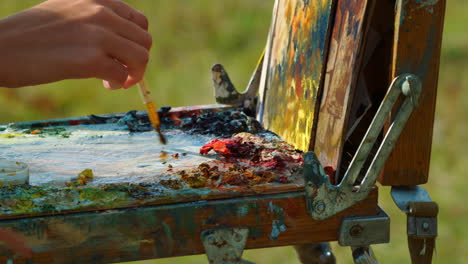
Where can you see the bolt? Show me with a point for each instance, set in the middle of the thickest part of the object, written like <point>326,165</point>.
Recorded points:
<point>238,237</point>
<point>425,226</point>
<point>319,207</point>
<point>356,230</point>
<point>211,239</point>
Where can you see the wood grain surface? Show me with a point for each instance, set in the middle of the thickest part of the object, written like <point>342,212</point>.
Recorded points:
<point>417,44</point>
<point>343,68</point>
<point>169,230</point>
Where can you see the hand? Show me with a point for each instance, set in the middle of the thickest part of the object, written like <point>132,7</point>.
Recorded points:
<point>63,39</point>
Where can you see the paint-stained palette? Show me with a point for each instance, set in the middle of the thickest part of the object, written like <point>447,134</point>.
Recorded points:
<point>294,63</point>
<point>133,169</point>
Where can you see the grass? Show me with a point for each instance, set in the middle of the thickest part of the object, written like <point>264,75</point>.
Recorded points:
<point>190,36</point>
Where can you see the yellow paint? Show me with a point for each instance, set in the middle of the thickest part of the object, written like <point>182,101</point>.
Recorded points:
<point>11,135</point>
<point>295,69</point>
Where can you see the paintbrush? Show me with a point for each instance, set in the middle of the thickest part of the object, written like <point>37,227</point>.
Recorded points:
<point>151,109</point>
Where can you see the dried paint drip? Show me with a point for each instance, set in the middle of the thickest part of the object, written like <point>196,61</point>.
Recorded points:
<point>41,132</point>
<point>135,123</point>
<point>83,178</point>
<point>207,175</point>
<point>42,199</point>
<point>257,151</point>
<point>246,160</point>
<point>55,131</point>
<point>222,124</point>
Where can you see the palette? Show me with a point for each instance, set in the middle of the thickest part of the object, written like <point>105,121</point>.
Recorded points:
<point>135,206</point>
<point>133,168</point>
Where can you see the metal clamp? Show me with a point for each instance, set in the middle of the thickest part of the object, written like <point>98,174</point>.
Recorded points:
<point>325,200</point>
<point>225,246</point>
<point>225,91</point>
<point>421,214</point>
<point>365,230</point>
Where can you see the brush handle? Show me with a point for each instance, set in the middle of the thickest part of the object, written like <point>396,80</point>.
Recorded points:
<point>144,92</point>
<point>151,109</point>
<point>153,115</point>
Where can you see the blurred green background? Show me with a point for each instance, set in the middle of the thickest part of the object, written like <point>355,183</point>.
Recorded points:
<point>190,36</point>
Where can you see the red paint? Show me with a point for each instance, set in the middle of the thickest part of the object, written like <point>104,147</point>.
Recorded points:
<point>236,147</point>
<point>330,173</point>
<point>221,147</point>
<point>75,122</point>
<point>283,179</point>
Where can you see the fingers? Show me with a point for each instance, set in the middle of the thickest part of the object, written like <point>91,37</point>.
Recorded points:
<point>127,12</point>
<point>112,72</point>
<point>127,29</point>
<point>130,54</point>
<point>131,46</point>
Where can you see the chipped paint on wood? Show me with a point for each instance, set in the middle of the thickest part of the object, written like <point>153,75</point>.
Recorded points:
<point>170,230</point>
<point>295,64</point>
<point>343,68</point>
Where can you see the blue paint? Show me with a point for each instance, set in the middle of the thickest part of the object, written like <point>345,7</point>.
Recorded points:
<point>243,210</point>
<point>424,3</point>
<point>277,225</point>
<point>276,228</point>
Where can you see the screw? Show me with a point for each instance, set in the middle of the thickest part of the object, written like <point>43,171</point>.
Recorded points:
<point>238,237</point>
<point>425,226</point>
<point>356,230</point>
<point>211,239</point>
<point>319,207</point>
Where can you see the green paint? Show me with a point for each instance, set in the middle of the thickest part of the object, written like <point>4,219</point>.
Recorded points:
<point>167,230</point>
<point>243,210</point>
<point>53,131</point>
<point>24,199</point>
<point>186,218</point>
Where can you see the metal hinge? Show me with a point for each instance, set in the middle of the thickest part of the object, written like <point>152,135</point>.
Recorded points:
<point>325,200</point>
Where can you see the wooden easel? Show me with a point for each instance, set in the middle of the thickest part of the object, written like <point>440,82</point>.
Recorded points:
<point>326,68</point>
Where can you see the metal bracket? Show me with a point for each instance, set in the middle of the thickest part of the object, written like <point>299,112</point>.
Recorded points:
<point>225,246</point>
<point>421,214</point>
<point>365,230</point>
<point>420,223</point>
<point>225,91</point>
<point>324,199</point>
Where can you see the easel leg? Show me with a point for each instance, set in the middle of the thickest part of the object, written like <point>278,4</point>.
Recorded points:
<point>421,214</point>
<point>363,255</point>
